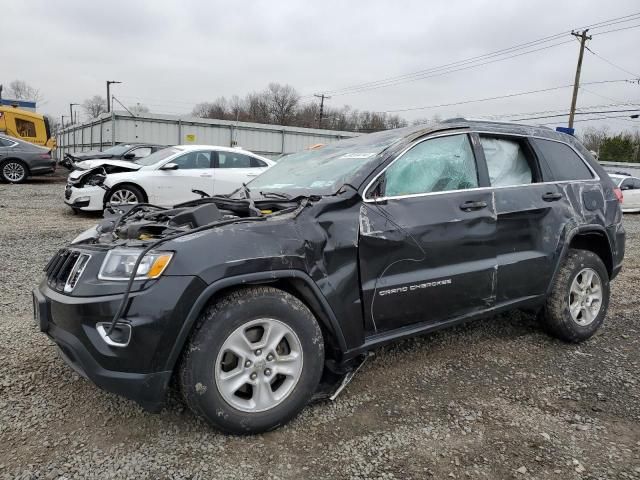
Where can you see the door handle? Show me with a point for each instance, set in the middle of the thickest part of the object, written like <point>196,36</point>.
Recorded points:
<point>471,205</point>
<point>551,197</point>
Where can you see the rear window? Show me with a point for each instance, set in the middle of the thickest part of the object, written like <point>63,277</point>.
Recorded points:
<point>564,163</point>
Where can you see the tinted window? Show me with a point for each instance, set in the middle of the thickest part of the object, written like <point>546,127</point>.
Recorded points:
<point>506,161</point>
<point>436,165</point>
<point>630,184</point>
<point>193,160</point>
<point>25,128</point>
<point>256,163</point>
<point>234,160</point>
<point>5,143</point>
<point>563,161</point>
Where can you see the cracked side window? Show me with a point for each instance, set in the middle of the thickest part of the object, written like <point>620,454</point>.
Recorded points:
<point>436,165</point>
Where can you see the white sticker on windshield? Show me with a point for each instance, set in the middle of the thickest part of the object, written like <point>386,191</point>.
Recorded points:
<point>321,184</point>
<point>357,155</point>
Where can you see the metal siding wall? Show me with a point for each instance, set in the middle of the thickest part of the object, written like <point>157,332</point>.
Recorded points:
<point>266,140</point>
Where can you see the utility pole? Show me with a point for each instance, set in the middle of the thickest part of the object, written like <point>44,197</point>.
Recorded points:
<point>109,83</point>
<point>71,105</point>
<point>576,83</point>
<point>322,97</point>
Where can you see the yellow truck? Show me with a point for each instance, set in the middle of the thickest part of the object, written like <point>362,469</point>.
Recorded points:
<point>26,125</point>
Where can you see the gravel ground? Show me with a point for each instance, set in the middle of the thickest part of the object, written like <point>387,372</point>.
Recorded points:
<point>492,399</point>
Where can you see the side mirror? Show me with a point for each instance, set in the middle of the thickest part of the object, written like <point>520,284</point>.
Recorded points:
<point>129,156</point>
<point>169,166</point>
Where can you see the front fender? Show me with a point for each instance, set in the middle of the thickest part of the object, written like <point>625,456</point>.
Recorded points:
<point>249,279</point>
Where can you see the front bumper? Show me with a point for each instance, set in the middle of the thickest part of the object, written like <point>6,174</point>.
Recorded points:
<point>89,199</point>
<point>140,371</point>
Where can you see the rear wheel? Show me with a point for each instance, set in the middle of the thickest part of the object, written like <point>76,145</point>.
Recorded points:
<point>125,195</point>
<point>578,303</point>
<point>253,362</point>
<point>13,171</point>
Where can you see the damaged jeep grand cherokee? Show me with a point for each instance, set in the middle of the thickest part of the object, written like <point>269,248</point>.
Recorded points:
<point>257,302</point>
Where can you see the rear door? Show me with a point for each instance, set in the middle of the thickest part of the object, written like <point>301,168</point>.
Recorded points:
<point>427,231</point>
<point>232,169</point>
<point>530,217</point>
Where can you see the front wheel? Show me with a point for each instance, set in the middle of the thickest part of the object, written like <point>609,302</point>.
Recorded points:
<point>578,303</point>
<point>125,195</point>
<point>253,362</point>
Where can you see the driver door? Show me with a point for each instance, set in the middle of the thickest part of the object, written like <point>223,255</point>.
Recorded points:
<point>427,231</point>
<point>194,172</point>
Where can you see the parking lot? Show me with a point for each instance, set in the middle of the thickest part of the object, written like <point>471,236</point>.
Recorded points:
<point>492,399</point>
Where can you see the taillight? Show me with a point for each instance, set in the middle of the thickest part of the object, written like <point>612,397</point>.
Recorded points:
<point>45,156</point>
<point>618,193</point>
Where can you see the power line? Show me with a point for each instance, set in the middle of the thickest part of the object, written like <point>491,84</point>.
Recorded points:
<point>420,74</point>
<point>498,97</point>
<point>576,113</point>
<point>618,29</point>
<point>611,63</point>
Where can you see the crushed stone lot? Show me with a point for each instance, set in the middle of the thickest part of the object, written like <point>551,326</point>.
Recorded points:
<point>493,399</point>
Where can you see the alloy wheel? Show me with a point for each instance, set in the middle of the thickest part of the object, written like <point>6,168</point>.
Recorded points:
<point>259,365</point>
<point>585,297</point>
<point>123,197</point>
<point>14,172</point>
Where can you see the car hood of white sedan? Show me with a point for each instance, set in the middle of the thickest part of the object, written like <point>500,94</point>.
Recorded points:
<point>89,164</point>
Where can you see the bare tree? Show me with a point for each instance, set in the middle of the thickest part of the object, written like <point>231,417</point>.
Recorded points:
<point>593,137</point>
<point>139,109</point>
<point>94,106</point>
<point>21,90</point>
<point>283,101</point>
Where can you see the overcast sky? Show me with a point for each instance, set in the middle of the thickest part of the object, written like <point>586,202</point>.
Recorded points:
<point>171,55</point>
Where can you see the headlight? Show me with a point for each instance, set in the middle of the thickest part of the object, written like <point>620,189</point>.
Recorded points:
<point>119,263</point>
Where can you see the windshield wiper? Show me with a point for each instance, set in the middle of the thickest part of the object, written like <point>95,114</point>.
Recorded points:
<point>246,190</point>
<point>284,196</point>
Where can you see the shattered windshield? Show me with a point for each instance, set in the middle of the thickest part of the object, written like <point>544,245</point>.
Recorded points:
<point>323,170</point>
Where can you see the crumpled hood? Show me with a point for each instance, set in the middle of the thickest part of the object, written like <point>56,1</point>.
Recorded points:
<point>89,164</point>
<point>80,156</point>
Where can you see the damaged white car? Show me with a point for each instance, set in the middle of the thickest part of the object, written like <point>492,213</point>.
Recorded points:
<point>168,177</point>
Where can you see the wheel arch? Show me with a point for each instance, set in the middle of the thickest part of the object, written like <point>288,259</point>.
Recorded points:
<point>129,183</point>
<point>294,282</point>
<point>26,165</point>
<point>586,237</point>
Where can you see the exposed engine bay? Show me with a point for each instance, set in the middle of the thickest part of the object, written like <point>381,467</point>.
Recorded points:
<point>146,222</point>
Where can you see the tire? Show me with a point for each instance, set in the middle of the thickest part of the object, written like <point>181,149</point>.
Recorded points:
<point>573,312</point>
<point>125,195</point>
<point>13,171</point>
<point>224,388</point>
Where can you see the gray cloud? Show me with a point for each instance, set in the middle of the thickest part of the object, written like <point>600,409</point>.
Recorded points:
<point>173,54</point>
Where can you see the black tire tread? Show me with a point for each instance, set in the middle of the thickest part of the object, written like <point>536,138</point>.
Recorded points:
<point>555,314</point>
<point>186,380</point>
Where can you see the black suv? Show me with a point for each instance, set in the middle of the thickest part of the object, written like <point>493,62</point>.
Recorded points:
<point>259,301</point>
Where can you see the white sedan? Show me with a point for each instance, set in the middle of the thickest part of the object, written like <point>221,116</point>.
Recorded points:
<point>165,178</point>
<point>630,187</point>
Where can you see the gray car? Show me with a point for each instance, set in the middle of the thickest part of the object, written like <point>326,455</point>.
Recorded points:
<point>19,160</point>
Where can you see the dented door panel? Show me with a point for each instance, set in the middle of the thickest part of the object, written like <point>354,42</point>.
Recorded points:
<point>425,259</point>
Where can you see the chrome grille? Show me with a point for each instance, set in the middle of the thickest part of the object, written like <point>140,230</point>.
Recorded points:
<point>65,268</point>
